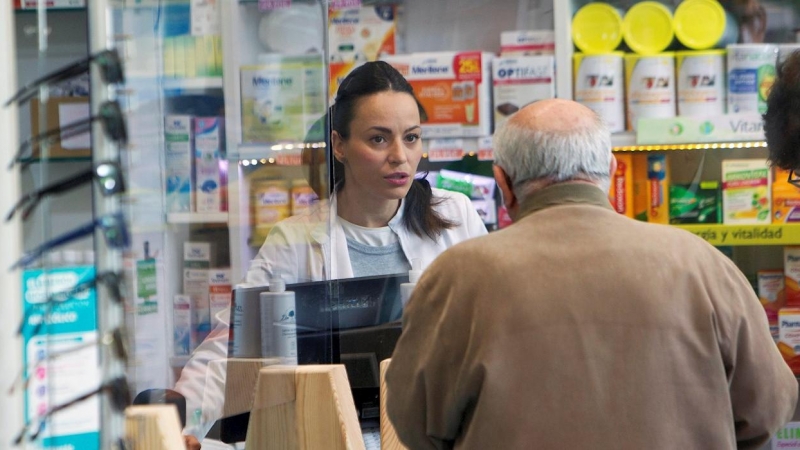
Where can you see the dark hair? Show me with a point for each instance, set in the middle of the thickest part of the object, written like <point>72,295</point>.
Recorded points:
<point>782,119</point>
<point>369,79</point>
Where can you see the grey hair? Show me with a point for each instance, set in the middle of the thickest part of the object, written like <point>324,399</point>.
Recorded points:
<point>527,154</point>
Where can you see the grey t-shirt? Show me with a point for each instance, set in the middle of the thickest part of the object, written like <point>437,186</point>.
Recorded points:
<point>367,260</point>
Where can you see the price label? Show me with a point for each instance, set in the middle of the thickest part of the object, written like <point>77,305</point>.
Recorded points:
<point>343,4</point>
<point>445,150</point>
<point>485,150</point>
<point>269,5</point>
<point>289,159</point>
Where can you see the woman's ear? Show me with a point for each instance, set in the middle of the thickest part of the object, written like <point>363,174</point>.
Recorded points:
<point>337,142</point>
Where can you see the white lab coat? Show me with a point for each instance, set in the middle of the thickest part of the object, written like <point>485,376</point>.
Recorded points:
<point>308,247</point>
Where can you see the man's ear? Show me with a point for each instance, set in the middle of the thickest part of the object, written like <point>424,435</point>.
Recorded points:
<point>612,169</point>
<point>506,189</point>
<point>337,142</point>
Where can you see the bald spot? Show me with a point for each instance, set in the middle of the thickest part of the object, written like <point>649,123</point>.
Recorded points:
<point>556,115</point>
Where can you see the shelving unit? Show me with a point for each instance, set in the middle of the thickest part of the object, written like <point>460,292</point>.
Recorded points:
<point>197,218</point>
<point>191,85</point>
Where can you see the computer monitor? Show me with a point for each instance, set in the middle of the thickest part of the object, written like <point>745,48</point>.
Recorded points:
<point>354,321</point>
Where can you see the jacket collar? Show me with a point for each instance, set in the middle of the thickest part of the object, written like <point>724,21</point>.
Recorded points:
<point>564,194</point>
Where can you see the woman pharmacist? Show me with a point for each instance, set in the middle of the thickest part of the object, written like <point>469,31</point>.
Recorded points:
<point>378,220</point>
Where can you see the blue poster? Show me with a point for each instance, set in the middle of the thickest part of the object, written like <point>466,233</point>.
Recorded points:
<point>61,357</point>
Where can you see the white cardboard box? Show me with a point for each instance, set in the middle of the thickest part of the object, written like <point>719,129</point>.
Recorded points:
<point>520,80</point>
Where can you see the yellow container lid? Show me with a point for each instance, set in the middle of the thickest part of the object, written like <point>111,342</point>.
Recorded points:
<point>647,28</point>
<point>700,24</point>
<point>597,28</point>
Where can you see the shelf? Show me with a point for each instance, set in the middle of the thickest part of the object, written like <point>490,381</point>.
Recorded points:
<point>221,217</point>
<point>192,84</point>
<point>51,10</point>
<point>740,235</point>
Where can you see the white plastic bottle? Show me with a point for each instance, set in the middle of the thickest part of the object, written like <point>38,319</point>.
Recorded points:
<point>279,322</point>
<point>413,276</point>
<point>246,326</point>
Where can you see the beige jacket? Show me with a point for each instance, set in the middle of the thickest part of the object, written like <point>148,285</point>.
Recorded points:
<point>578,328</point>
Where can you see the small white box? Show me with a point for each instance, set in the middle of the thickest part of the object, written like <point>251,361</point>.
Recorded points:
<point>527,42</point>
<point>197,254</point>
<point>219,294</point>
<point>182,335</point>
<point>179,188</point>
<point>361,33</point>
<point>210,166</point>
<point>520,80</point>
<point>454,89</point>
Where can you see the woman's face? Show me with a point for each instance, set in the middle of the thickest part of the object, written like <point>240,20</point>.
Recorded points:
<point>384,147</point>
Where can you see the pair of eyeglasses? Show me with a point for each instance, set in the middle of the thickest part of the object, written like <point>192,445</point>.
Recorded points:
<point>113,281</point>
<point>117,388</point>
<point>115,340</point>
<point>108,175</point>
<point>114,231</point>
<point>110,71</point>
<point>794,180</point>
<point>110,115</point>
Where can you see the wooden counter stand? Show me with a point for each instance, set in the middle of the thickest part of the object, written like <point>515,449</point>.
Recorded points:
<point>389,440</point>
<point>304,408</point>
<point>153,427</point>
<point>241,379</point>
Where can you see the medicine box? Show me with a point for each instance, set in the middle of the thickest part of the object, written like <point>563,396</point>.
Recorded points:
<point>746,192</point>
<point>694,203</point>
<point>281,98</point>
<point>178,156</point>
<point>454,89</point>
<point>520,80</point>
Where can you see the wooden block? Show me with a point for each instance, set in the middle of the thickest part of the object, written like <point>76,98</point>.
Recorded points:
<point>389,440</point>
<point>304,408</point>
<point>153,427</point>
<point>241,379</point>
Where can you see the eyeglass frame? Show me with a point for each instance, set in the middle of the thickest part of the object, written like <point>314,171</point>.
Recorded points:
<point>121,398</point>
<point>106,223</point>
<point>102,172</point>
<point>113,281</point>
<point>110,113</point>
<point>111,71</point>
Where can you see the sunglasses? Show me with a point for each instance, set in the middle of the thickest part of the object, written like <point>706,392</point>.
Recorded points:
<point>110,71</point>
<point>114,231</point>
<point>117,388</point>
<point>108,175</point>
<point>110,116</point>
<point>115,340</point>
<point>113,281</point>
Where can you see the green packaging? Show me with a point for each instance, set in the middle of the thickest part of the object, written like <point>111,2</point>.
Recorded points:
<point>694,203</point>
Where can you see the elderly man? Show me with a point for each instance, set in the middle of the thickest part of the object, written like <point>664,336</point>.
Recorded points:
<point>577,327</point>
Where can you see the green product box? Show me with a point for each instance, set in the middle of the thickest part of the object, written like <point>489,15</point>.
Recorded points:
<point>694,203</point>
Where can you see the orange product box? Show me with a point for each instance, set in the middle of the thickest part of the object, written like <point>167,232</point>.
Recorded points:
<point>789,340</point>
<point>454,89</point>
<point>785,198</point>
<point>657,189</point>
<point>791,272</point>
<point>621,191</point>
<point>640,201</point>
<point>771,295</point>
